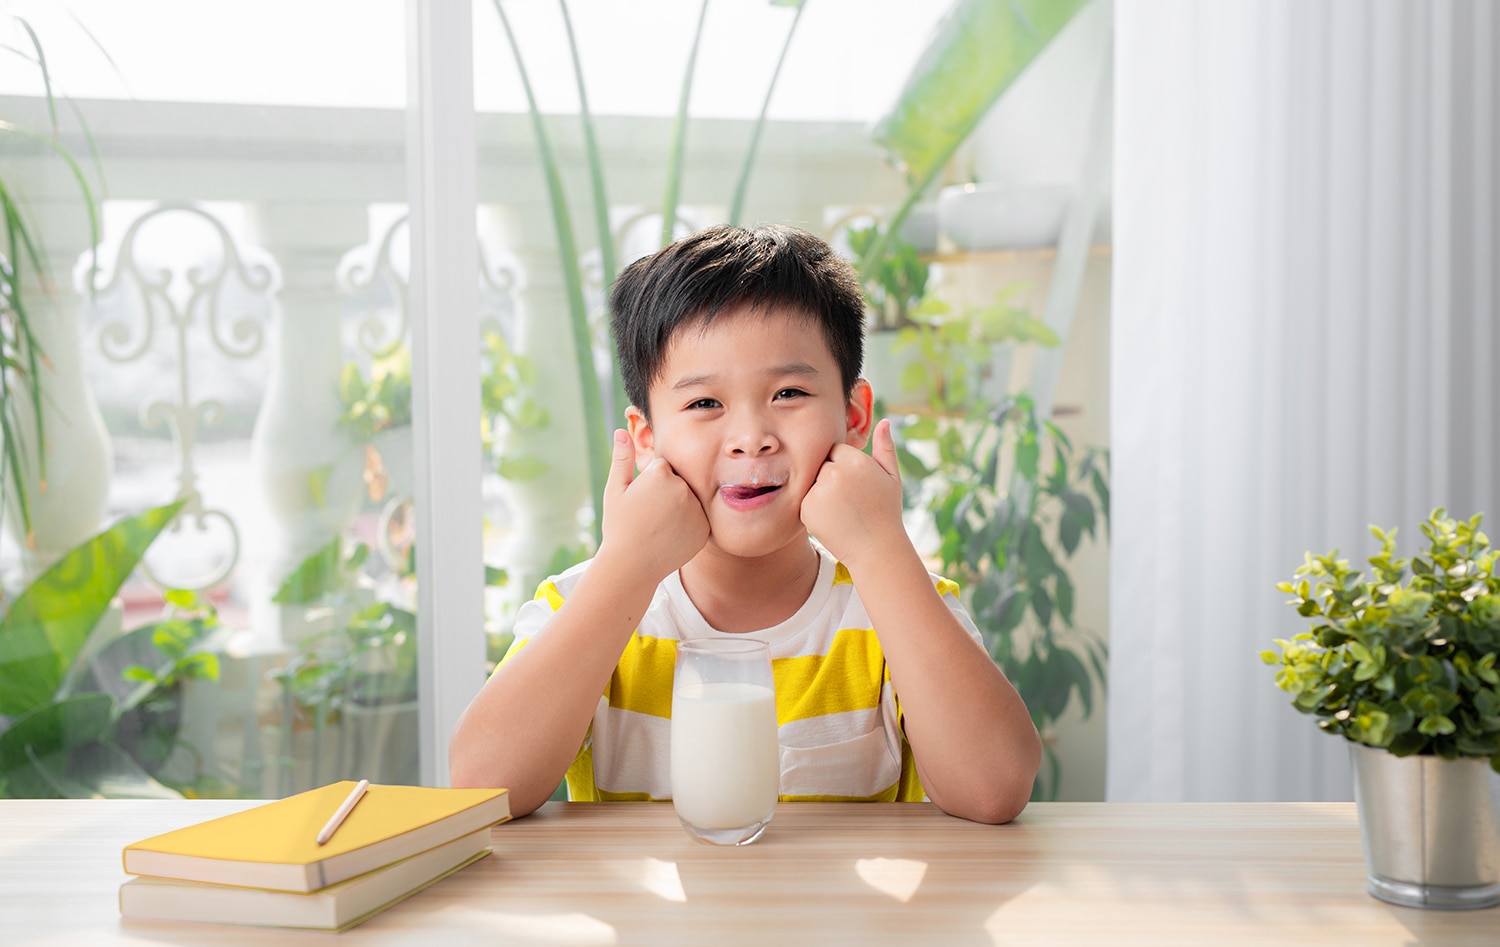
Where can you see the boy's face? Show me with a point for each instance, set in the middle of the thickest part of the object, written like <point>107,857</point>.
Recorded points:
<point>746,411</point>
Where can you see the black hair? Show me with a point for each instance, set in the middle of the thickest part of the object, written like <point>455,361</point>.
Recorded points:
<point>722,267</point>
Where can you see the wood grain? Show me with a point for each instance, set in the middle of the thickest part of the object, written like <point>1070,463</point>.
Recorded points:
<point>824,873</point>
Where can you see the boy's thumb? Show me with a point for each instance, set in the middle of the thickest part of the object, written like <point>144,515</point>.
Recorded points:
<point>884,449</point>
<point>622,464</point>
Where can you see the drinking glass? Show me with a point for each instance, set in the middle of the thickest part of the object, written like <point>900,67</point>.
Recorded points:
<point>726,767</point>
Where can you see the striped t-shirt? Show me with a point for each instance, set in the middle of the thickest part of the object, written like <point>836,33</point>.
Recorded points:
<point>839,721</point>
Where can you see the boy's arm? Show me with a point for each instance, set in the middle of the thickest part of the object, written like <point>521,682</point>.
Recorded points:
<point>976,749</point>
<point>528,721</point>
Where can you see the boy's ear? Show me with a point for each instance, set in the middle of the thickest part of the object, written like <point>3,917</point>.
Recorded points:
<point>643,435</point>
<point>859,414</point>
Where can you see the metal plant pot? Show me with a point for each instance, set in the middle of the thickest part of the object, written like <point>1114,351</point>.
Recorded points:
<point>1431,829</point>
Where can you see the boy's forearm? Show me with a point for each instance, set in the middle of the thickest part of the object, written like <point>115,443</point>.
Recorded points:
<point>528,721</point>
<point>976,749</point>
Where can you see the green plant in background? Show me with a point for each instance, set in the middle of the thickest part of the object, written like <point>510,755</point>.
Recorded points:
<point>22,260</point>
<point>956,351</point>
<point>895,282</point>
<point>176,647</point>
<point>505,394</point>
<point>367,654</point>
<point>59,737</point>
<point>1404,663</point>
<point>381,402</point>
<point>1011,501</point>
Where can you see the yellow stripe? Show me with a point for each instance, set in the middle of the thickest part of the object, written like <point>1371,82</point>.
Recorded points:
<point>580,776</point>
<point>642,681</point>
<point>841,575</point>
<point>947,587</point>
<point>511,652</point>
<point>910,788</point>
<point>606,796</point>
<point>888,794</point>
<point>848,677</point>
<point>548,590</point>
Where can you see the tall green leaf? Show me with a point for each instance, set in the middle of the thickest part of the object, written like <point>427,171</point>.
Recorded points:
<point>975,54</point>
<point>49,622</point>
<point>679,135</point>
<point>742,183</point>
<point>607,256</point>
<point>596,434</point>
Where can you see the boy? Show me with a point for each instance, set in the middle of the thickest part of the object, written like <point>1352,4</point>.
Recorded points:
<point>740,352</point>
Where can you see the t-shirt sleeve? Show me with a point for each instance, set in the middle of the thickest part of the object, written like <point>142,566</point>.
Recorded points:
<point>948,590</point>
<point>532,618</point>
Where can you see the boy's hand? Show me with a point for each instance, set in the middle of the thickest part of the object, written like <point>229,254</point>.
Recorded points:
<point>652,518</point>
<point>854,507</point>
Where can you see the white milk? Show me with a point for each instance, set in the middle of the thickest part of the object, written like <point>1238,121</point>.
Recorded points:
<point>726,769</point>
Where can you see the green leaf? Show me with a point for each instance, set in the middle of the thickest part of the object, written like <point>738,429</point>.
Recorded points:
<point>316,576</point>
<point>1028,453</point>
<point>1069,532</point>
<point>1036,560</point>
<point>1041,605</point>
<point>137,672</point>
<point>1101,490</point>
<point>49,622</point>
<point>1011,609</point>
<point>922,429</point>
<point>1436,725</point>
<point>520,467</point>
<point>976,52</point>
<point>1064,595</point>
<point>36,748</point>
<point>1080,507</point>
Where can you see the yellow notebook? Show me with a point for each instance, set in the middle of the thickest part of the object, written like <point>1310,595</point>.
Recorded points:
<point>335,908</point>
<point>275,845</point>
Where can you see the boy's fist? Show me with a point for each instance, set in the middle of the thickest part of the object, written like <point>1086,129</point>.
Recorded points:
<point>854,507</point>
<point>652,516</point>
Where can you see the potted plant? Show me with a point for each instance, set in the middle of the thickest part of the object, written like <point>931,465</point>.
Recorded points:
<point>1011,501</point>
<point>58,737</point>
<point>1402,665</point>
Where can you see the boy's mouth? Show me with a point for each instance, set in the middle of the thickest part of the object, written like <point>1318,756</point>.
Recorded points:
<point>744,491</point>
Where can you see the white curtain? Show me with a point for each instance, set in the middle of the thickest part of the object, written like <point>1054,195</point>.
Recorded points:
<point>1304,343</point>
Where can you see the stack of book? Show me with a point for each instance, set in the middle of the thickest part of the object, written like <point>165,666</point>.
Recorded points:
<point>265,866</point>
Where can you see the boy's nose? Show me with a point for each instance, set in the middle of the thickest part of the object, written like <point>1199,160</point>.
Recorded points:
<point>752,440</point>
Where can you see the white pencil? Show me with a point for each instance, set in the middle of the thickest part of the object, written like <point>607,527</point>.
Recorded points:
<point>343,813</point>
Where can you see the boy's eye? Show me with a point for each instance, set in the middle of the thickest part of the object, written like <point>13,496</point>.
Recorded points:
<point>786,393</point>
<point>702,404</point>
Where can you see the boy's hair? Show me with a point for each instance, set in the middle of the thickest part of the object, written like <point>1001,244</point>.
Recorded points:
<point>724,267</point>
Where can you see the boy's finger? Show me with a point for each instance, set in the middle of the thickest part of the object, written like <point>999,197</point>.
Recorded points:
<point>622,464</point>
<point>883,449</point>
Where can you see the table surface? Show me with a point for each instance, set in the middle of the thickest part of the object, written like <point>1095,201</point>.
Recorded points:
<point>824,873</point>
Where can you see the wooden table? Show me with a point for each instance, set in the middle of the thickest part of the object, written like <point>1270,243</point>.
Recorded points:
<point>824,873</point>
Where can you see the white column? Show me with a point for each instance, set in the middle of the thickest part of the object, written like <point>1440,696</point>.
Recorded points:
<point>1303,342</point>
<point>444,304</point>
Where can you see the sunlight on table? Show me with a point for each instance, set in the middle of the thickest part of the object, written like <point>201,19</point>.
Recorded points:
<point>898,877</point>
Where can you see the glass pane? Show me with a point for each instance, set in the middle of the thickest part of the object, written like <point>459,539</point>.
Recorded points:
<point>961,346</point>
<point>224,395</point>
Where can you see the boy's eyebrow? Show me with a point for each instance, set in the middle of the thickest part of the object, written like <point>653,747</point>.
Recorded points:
<point>775,371</point>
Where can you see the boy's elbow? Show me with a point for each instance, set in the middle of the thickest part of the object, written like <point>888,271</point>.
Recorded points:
<point>999,805</point>
<point>1002,796</point>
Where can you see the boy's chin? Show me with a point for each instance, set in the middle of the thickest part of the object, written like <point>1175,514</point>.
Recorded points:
<point>757,547</point>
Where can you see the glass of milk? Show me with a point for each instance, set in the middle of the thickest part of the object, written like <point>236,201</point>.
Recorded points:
<point>726,766</point>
